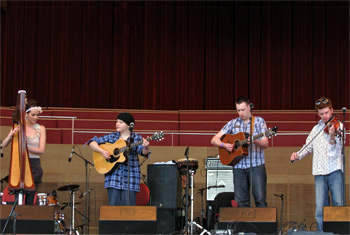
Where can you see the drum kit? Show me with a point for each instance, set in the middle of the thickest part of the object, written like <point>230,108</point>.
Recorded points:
<point>51,200</point>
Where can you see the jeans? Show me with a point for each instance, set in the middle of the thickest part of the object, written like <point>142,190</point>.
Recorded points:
<point>117,197</point>
<point>332,182</point>
<point>242,184</point>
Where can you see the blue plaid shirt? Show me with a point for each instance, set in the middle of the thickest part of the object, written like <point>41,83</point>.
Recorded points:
<point>118,178</point>
<point>235,126</point>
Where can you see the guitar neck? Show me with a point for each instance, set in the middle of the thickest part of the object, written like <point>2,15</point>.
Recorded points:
<point>245,141</point>
<point>121,150</point>
<point>258,136</point>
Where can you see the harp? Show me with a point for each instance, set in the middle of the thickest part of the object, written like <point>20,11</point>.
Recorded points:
<point>20,174</point>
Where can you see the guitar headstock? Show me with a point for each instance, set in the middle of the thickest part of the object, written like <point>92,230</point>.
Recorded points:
<point>272,132</point>
<point>158,136</point>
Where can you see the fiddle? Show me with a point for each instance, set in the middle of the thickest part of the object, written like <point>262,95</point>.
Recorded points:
<point>334,121</point>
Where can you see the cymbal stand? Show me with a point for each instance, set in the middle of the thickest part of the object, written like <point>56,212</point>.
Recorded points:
<point>72,200</point>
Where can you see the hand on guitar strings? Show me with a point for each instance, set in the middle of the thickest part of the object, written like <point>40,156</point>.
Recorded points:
<point>227,146</point>
<point>106,154</point>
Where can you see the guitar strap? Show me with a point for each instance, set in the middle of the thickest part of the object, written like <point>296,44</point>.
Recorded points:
<point>253,122</point>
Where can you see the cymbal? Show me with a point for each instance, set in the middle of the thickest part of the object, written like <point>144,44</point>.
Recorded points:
<point>68,187</point>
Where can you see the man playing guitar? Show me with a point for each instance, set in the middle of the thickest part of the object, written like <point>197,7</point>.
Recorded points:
<point>241,170</point>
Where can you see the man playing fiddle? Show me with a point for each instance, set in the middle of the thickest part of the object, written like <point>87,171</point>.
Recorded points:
<point>327,163</point>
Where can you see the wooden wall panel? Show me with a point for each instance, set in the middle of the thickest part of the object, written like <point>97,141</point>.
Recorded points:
<point>294,181</point>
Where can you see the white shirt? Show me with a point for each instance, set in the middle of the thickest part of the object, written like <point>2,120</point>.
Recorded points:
<point>327,157</point>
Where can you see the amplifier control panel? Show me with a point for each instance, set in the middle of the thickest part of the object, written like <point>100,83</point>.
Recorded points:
<point>214,163</point>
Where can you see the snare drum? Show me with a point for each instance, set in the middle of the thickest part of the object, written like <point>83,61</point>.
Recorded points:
<point>42,199</point>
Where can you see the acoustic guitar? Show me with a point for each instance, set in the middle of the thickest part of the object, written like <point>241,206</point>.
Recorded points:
<point>118,152</point>
<point>240,147</point>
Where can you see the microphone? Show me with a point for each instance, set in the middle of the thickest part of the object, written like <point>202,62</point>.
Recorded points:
<point>217,186</point>
<point>187,150</point>
<point>251,105</point>
<point>71,154</point>
<point>2,154</point>
<point>276,195</point>
<point>131,126</point>
<point>343,109</point>
<point>83,194</point>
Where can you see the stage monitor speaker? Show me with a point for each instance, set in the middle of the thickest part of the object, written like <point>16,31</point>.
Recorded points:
<point>260,220</point>
<point>29,219</point>
<point>164,185</point>
<point>169,220</point>
<point>219,177</point>
<point>128,220</point>
<point>336,219</point>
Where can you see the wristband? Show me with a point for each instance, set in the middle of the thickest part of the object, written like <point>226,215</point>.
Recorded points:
<point>222,144</point>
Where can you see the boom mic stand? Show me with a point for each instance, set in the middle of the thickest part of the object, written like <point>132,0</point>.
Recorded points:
<point>87,198</point>
<point>202,201</point>
<point>6,179</point>
<point>12,214</point>
<point>281,196</point>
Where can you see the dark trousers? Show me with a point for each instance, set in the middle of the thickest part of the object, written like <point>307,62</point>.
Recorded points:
<point>242,185</point>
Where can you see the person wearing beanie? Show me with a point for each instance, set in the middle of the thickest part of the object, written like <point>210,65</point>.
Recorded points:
<point>116,181</point>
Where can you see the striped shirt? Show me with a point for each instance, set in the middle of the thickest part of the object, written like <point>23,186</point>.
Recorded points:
<point>327,157</point>
<point>235,126</point>
<point>118,178</point>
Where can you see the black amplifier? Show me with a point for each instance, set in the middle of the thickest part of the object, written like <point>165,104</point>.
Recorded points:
<point>214,163</point>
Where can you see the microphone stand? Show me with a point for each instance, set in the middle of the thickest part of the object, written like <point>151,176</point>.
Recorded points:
<point>187,189</point>
<point>343,153</point>
<point>202,201</point>
<point>6,179</point>
<point>281,196</point>
<point>12,214</point>
<point>129,151</point>
<point>87,198</point>
<point>143,177</point>
<point>251,158</point>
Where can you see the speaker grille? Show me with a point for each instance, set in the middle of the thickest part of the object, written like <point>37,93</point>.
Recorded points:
<point>219,177</point>
<point>164,186</point>
<point>169,221</point>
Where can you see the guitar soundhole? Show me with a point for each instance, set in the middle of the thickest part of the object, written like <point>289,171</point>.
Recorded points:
<point>113,159</point>
<point>237,145</point>
<point>116,151</point>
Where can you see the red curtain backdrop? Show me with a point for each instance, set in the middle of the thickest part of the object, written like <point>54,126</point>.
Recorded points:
<point>175,55</point>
